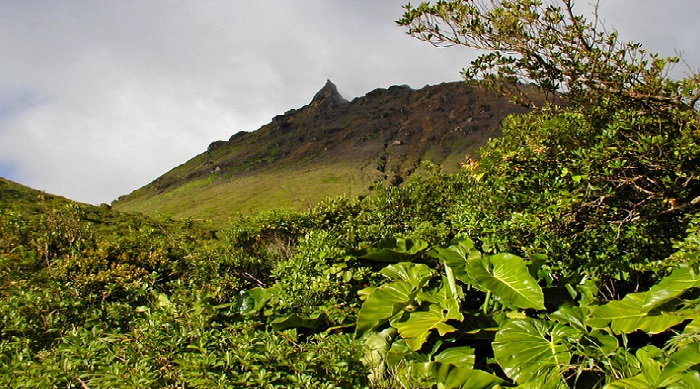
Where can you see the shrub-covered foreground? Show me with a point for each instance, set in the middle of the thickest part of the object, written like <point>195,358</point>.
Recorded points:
<point>409,288</point>
<point>567,255</point>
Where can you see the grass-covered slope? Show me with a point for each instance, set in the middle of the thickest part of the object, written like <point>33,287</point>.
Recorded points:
<point>222,201</point>
<point>17,196</point>
<point>327,148</point>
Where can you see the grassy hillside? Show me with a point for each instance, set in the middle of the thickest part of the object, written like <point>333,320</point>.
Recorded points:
<point>282,188</point>
<point>17,196</point>
<point>327,148</point>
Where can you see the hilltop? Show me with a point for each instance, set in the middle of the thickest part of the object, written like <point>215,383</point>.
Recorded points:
<point>327,148</point>
<point>19,197</point>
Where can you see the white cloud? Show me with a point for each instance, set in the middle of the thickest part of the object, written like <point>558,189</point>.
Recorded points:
<point>99,98</point>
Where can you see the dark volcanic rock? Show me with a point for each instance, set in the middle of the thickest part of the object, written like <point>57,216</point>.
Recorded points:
<point>326,100</point>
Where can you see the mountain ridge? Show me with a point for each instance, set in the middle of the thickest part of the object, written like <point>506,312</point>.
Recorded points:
<point>326,148</point>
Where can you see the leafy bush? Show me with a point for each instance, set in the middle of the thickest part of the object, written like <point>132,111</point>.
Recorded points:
<point>183,340</point>
<point>608,196</point>
<point>320,276</point>
<point>421,327</point>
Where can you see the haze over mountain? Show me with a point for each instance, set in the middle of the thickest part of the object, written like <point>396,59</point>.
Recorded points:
<point>327,148</point>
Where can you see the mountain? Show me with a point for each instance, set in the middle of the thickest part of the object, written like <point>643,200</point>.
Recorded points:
<point>327,148</point>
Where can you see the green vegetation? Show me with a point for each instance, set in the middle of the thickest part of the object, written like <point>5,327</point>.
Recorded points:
<point>549,46</point>
<point>566,255</point>
<point>284,188</point>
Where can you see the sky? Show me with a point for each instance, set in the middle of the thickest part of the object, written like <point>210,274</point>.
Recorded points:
<point>101,97</point>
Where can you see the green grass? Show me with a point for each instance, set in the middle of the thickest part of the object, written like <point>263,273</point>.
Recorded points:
<point>286,188</point>
<point>19,197</point>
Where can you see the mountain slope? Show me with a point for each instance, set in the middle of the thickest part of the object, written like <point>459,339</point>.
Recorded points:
<point>327,148</point>
<point>18,197</point>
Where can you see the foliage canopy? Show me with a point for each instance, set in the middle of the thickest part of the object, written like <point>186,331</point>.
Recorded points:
<point>548,44</point>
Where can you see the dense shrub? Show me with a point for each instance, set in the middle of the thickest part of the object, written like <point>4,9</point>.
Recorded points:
<point>597,195</point>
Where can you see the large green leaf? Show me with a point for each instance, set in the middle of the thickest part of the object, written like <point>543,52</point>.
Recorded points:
<point>253,300</point>
<point>534,351</point>
<point>391,299</point>
<point>599,343</point>
<point>648,357</point>
<point>455,258</point>
<point>454,376</point>
<point>451,368</point>
<point>416,329</point>
<point>385,302</point>
<point>570,315</point>
<point>399,353</point>
<point>314,321</point>
<point>458,356</point>
<point>416,274</point>
<point>507,277</point>
<point>690,380</point>
<point>393,250</point>
<point>636,382</point>
<point>681,361</point>
<point>643,311</point>
<point>651,323</point>
<point>437,295</point>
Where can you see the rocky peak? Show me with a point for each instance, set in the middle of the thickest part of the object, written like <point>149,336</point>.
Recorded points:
<point>326,99</point>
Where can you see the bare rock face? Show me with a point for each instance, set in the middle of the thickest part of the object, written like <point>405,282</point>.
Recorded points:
<point>327,99</point>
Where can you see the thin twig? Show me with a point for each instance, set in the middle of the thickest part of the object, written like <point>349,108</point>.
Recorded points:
<point>250,277</point>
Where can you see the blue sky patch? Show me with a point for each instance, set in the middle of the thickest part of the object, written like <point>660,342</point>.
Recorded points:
<point>8,171</point>
<point>14,101</point>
